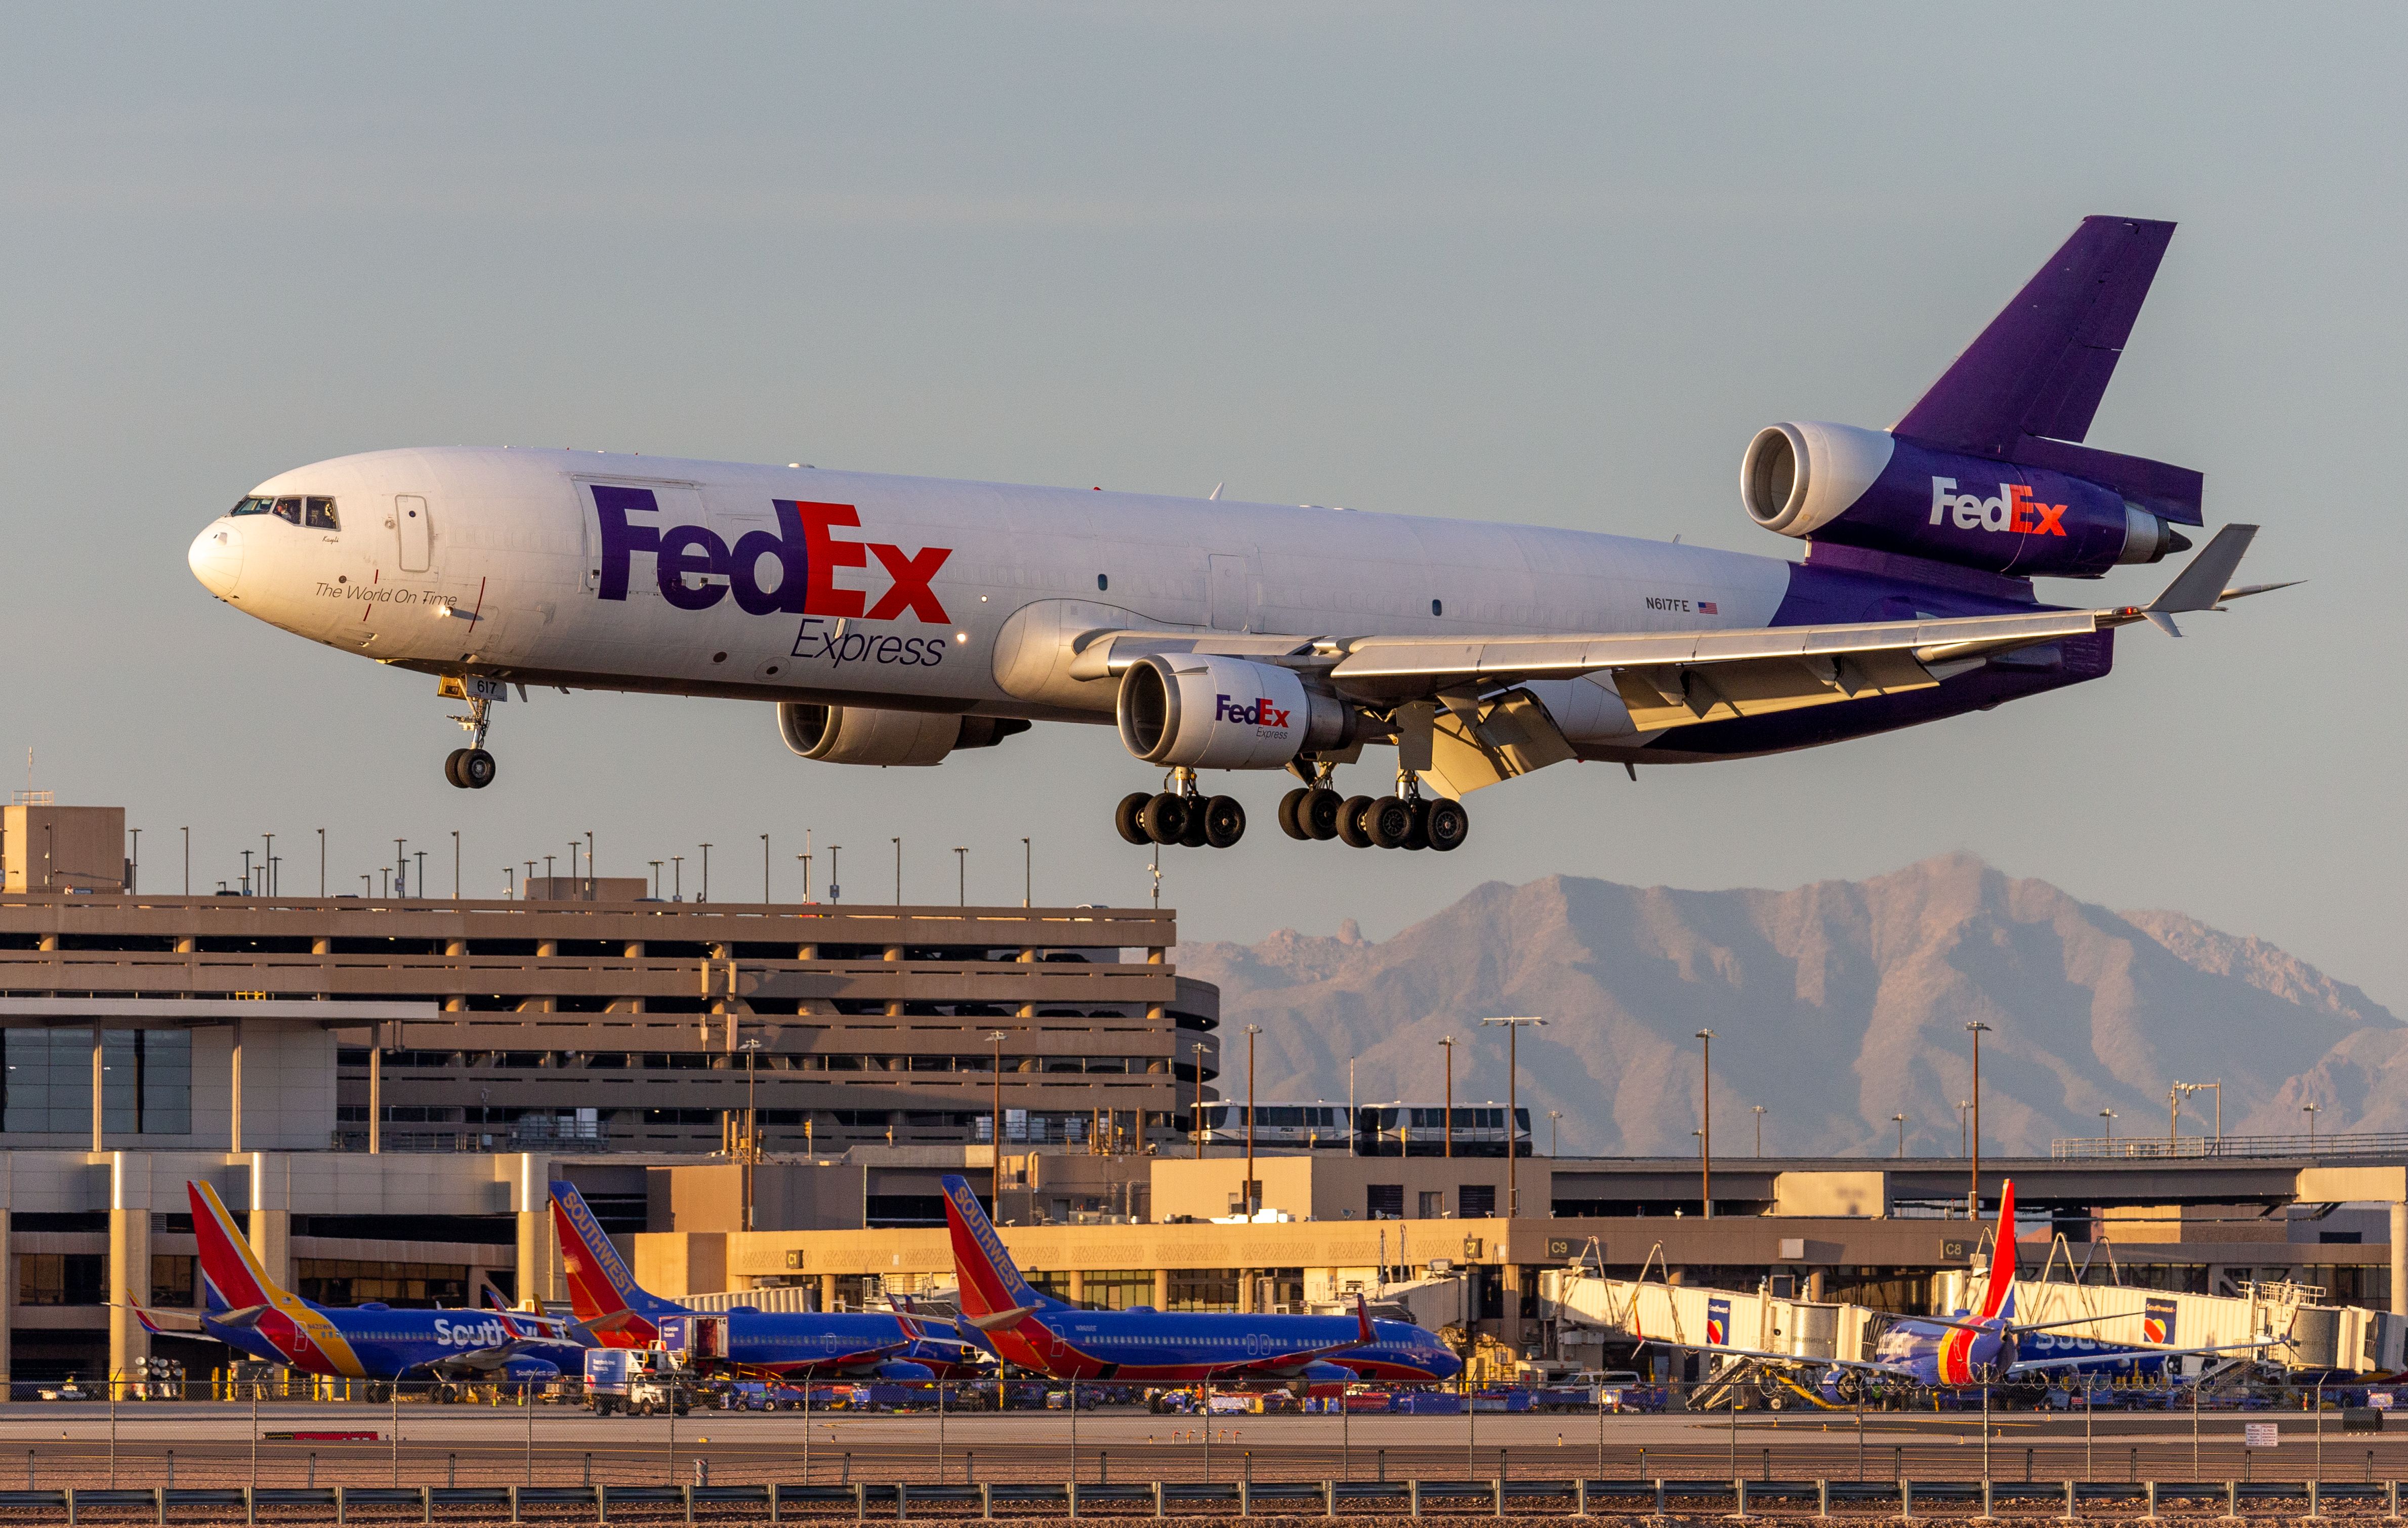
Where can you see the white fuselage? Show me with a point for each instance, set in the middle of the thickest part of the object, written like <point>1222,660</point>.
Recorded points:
<point>492,560</point>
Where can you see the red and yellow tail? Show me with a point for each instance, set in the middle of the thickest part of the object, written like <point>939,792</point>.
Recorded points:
<point>1999,1287</point>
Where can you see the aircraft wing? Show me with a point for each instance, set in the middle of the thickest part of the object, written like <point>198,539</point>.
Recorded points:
<point>1364,1336</point>
<point>1453,697</point>
<point>2130,1354</point>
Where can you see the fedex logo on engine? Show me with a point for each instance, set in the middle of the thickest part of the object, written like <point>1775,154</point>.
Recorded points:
<point>1261,713</point>
<point>804,552</point>
<point>2014,509</point>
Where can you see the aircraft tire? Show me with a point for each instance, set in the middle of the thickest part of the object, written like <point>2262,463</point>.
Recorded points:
<point>1224,821</point>
<point>1193,835</point>
<point>477,768</point>
<point>1290,823</point>
<point>1419,837</point>
<point>1351,813</point>
<point>1163,818</point>
<point>1448,826</point>
<point>1388,822</point>
<point>1318,814</point>
<point>1129,817</point>
<point>452,767</point>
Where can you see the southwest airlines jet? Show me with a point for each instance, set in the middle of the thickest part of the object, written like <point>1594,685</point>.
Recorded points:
<point>1062,1341</point>
<point>247,1310</point>
<point>898,621</point>
<point>622,1313</point>
<point>1984,1345</point>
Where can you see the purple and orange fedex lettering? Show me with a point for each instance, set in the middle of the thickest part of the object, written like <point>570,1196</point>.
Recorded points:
<point>807,555</point>
<point>1262,713</point>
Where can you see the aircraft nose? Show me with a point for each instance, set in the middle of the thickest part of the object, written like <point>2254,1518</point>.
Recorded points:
<point>215,559</point>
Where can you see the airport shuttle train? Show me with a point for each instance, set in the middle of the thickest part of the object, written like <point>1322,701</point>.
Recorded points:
<point>894,620</point>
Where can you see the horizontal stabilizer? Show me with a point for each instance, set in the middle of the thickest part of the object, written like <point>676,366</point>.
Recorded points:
<point>2201,584</point>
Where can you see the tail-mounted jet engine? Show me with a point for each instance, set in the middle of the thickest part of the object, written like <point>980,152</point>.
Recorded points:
<point>859,734</point>
<point>1201,711</point>
<point>1886,492</point>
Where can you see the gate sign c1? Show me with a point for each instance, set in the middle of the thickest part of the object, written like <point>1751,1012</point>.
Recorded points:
<point>2260,1435</point>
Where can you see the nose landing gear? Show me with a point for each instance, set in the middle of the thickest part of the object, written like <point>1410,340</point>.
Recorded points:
<point>472,768</point>
<point>1183,815</point>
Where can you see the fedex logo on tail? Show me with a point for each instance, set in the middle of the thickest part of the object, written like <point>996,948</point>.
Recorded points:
<point>1258,713</point>
<point>805,553</point>
<point>2013,510</point>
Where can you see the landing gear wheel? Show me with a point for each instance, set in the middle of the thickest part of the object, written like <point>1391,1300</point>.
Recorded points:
<point>1388,822</point>
<point>476,769</point>
<point>452,767</point>
<point>1288,821</point>
<point>1193,835</point>
<point>1448,826</point>
<point>1318,813</point>
<point>1129,817</point>
<point>1351,813</point>
<point>1163,818</point>
<point>1224,821</point>
<point>1418,836</point>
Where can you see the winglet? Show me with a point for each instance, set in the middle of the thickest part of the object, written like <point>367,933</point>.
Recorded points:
<point>2201,584</point>
<point>1363,1317</point>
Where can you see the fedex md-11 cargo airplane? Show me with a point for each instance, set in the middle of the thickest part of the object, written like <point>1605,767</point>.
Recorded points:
<point>898,620</point>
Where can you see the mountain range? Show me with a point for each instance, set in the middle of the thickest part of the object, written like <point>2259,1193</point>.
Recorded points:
<point>1834,1006</point>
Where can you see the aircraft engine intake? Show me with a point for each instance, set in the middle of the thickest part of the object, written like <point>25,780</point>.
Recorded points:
<point>1200,711</point>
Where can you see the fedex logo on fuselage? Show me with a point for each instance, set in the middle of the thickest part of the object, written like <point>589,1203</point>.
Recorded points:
<point>1261,713</point>
<point>804,550</point>
<point>2014,509</point>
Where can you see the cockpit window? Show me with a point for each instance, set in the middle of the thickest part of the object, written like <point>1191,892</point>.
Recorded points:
<point>322,515</point>
<point>289,509</point>
<point>252,506</point>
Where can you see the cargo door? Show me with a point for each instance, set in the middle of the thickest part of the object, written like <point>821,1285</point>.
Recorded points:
<point>414,531</point>
<point>1231,592</point>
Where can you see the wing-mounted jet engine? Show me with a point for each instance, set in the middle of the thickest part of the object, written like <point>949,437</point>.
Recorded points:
<point>1986,470</point>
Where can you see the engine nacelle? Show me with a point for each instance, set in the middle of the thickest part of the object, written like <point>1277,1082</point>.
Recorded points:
<point>1871,489</point>
<point>859,734</point>
<point>1201,711</point>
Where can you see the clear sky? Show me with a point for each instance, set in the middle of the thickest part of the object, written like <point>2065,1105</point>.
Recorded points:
<point>1546,264</point>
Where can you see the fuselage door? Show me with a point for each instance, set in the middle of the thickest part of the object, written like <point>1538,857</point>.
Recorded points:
<point>1232,592</point>
<point>416,531</point>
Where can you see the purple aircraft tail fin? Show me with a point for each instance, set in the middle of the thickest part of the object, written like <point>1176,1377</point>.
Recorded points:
<point>2029,386</point>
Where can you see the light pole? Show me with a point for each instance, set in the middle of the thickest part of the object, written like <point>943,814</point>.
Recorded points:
<point>1513,1112</point>
<point>656,877</point>
<point>2310,1110</point>
<point>268,858</point>
<point>1973,1184</point>
<point>1963,1140</point>
<point>1027,871</point>
<point>751,1048</point>
<point>2108,1115</point>
<point>962,875</point>
<point>322,862</point>
<point>1349,1119</point>
<point>764,869</point>
<point>1198,1121</point>
<point>1706,1125</point>
<point>994,1194</point>
<point>1901,1121</point>
<point>455,865</point>
<point>1448,1041</point>
<point>1759,1131</point>
<point>898,872</point>
<point>401,871</point>
<point>704,895</point>
<point>187,863</point>
<point>1252,1029</point>
<point>1553,1116</point>
<point>677,877</point>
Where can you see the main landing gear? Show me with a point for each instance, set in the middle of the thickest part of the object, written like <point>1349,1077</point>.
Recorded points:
<point>1182,815</point>
<point>472,768</point>
<point>1403,821</point>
